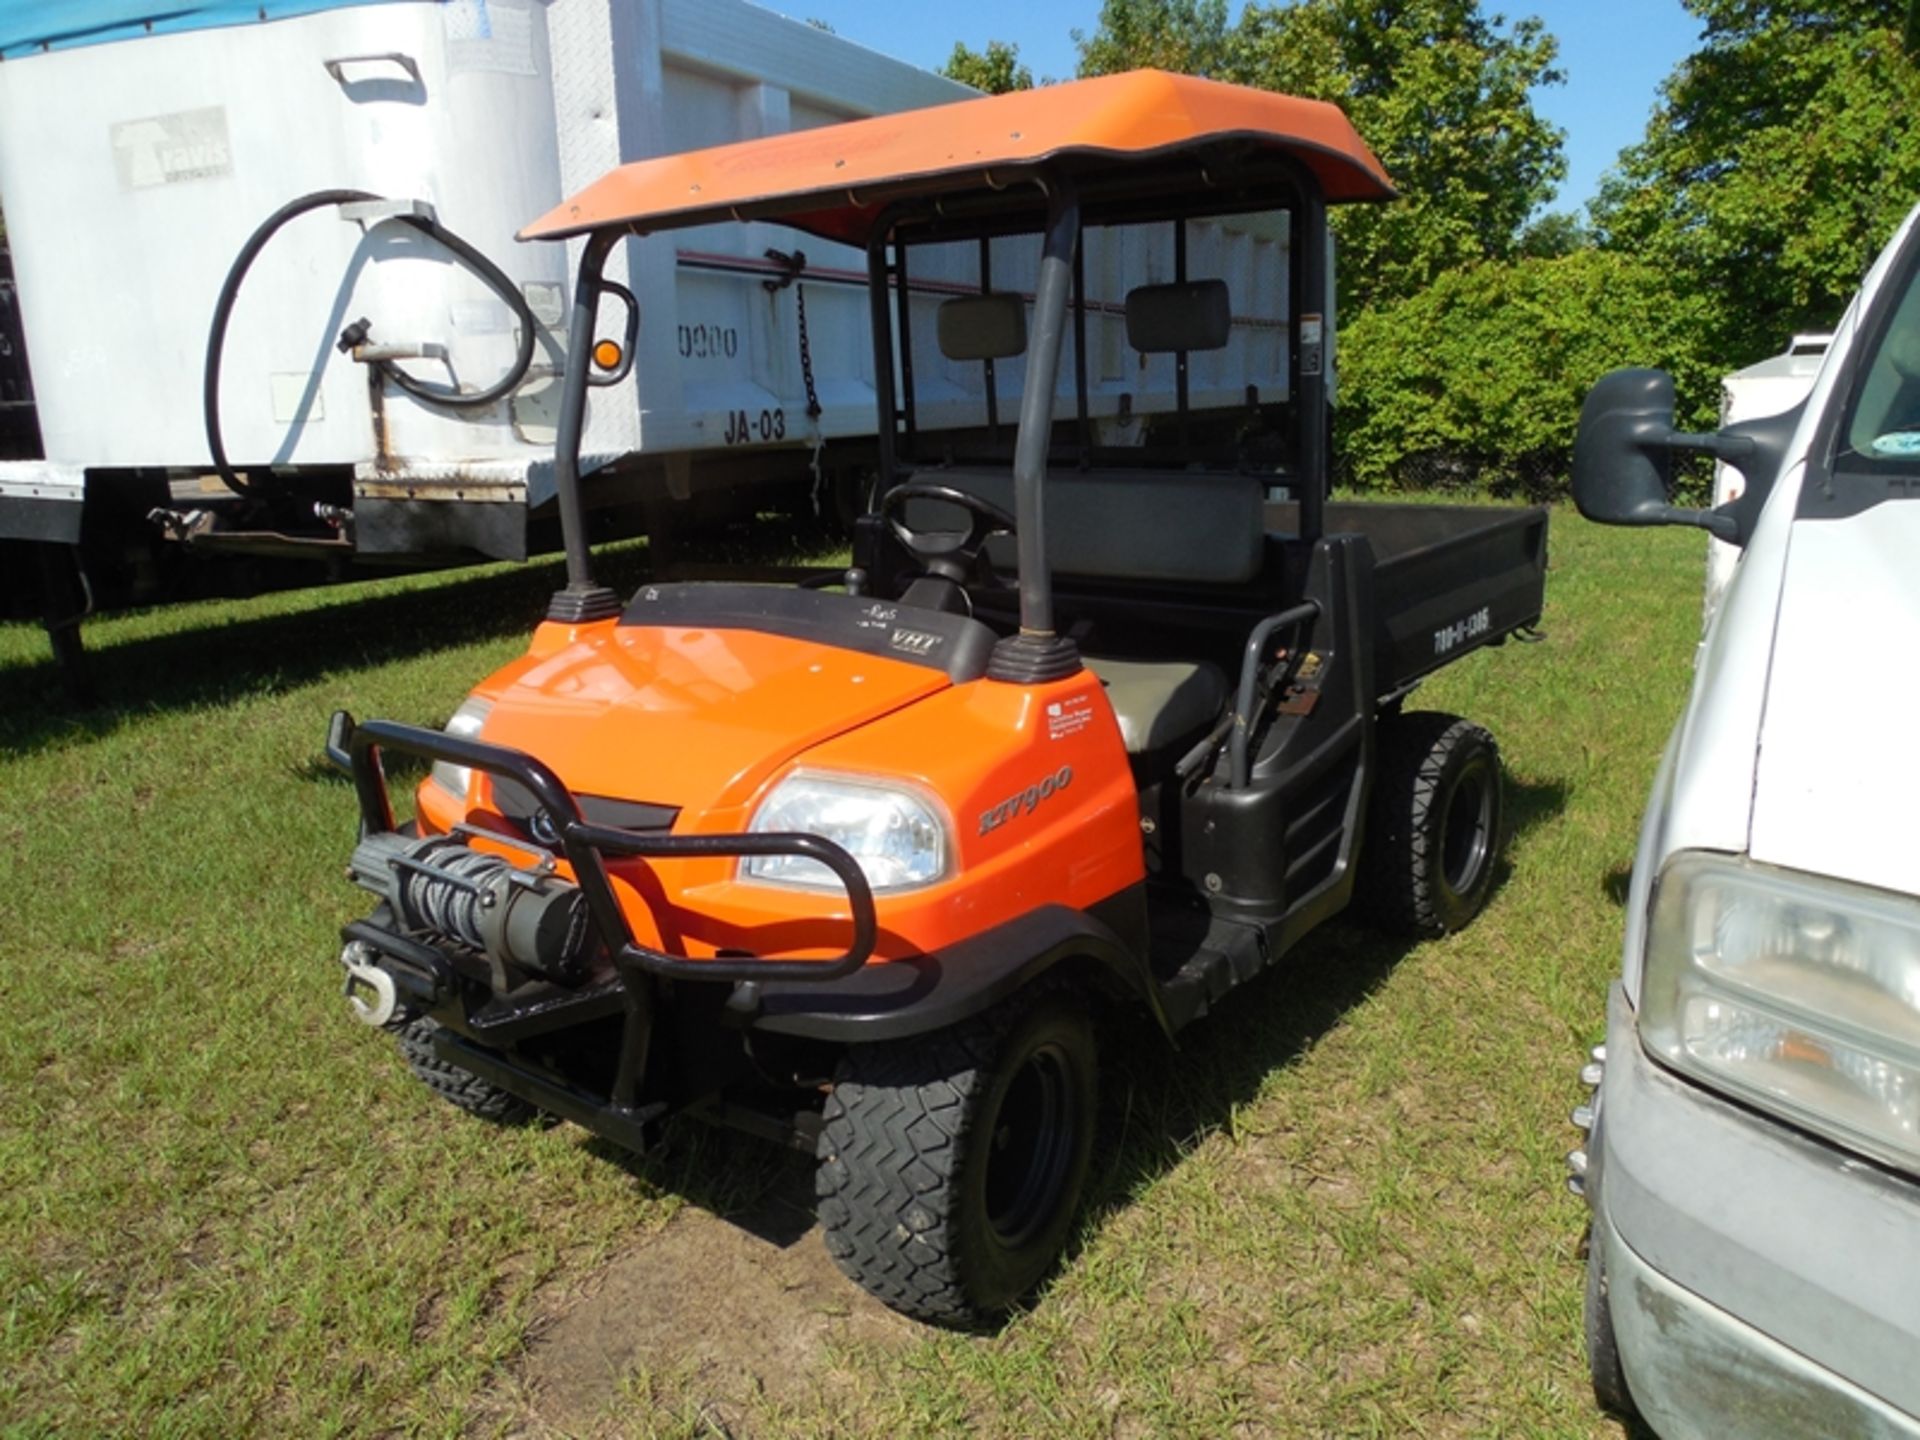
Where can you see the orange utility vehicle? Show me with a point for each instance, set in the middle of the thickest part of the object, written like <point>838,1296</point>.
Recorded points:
<point>867,864</point>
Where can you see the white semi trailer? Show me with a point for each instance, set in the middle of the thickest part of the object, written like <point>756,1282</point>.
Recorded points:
<point>140,146</point>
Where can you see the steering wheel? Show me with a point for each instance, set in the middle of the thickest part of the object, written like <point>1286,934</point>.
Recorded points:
<point>948,554</point>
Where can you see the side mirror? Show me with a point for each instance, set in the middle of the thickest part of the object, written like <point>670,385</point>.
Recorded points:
<point>1623,455</point>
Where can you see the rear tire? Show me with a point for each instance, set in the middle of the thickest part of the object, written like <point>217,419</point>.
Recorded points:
<point>1426,866</point>
<point>951,1164</point>
<point>455,1085</point>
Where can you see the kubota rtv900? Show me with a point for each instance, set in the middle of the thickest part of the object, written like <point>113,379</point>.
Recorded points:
<point>1096,719</point>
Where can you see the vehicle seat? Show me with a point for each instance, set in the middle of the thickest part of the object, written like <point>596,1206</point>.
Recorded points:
<point>1161,702</point>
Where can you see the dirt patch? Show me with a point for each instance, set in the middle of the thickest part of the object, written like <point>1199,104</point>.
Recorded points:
<point>742,1312</point>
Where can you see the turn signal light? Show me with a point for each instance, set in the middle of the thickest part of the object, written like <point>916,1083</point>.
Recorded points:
<point>607,355</point>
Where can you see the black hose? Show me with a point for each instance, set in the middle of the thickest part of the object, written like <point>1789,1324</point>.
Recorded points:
<point>497,280</point>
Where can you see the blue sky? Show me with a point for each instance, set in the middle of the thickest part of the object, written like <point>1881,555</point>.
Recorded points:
<point>1614,52</point>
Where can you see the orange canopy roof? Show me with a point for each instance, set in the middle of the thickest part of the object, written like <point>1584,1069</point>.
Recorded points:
<point>834,180</point>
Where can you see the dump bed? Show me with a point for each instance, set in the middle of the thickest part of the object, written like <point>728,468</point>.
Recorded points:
<point>1447,578</point>
<point>1160,563</point>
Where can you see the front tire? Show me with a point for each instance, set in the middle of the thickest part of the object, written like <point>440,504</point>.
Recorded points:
<point>1434,829</point>
<point>1604,1369</point>
<point>951,1164</point>
<point>457,1086</point>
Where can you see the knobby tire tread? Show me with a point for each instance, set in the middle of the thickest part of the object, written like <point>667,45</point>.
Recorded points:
<point>1402,869</point>
<point>453,1084</point>
<point>894,1143</point>
<point>893,1133</point>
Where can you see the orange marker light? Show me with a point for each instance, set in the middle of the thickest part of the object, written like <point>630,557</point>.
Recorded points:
<point>607,355</point>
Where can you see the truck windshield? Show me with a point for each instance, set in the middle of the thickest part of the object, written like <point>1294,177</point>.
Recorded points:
<point>1883,429</point>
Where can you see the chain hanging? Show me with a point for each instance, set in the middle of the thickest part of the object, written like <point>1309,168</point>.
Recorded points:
<point>795,265</point>
<point>806,356</point>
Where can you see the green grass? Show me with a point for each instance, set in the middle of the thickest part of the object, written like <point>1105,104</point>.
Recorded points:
<point>1337,1209</point>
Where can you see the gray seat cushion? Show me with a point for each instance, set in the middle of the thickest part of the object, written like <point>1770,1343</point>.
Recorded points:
<point>1160,701</point>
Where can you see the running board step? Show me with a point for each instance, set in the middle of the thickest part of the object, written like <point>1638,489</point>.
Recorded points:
<point>1220,960</point>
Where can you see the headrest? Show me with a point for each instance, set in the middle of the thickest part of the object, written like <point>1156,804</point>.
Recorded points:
<point>1191,315</point>
<point>983,327</point>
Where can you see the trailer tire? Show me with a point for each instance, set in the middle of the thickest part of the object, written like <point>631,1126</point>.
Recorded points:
<point>455,1085</point>
<point>1427,862</point>
<point>951,1164</point>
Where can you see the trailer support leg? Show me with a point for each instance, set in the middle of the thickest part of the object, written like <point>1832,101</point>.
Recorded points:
<point>67,601</point>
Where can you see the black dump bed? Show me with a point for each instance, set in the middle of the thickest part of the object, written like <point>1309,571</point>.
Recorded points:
<point>1184,564</point>
<point>1447,578</point>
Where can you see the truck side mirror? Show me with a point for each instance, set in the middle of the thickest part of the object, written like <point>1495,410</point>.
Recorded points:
<point>1623,455</point>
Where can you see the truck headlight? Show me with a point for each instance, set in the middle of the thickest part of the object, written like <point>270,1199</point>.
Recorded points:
<point>898,837</point>
<point>1798,994</point>
<point>466,723</point>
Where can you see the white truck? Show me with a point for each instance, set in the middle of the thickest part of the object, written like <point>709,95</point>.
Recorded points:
<point>1752,1161</point>
<point>1766,387</point>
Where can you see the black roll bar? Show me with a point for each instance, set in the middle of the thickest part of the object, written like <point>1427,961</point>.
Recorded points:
<point>881,325</point>
<point>1035,436</point>
<point>583,601</point>
<point>357,749</point>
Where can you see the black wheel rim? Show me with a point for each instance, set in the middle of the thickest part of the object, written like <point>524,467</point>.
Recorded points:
<point>1466,834</point>
<point>1030,1148</point>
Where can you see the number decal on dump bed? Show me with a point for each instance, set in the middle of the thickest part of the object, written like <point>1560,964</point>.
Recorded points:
<point>709,342</point>
<point>1451,637</point>
<point>745,429</point>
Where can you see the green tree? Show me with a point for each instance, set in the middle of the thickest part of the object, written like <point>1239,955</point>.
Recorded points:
<point>1443,95</point>
<point>1190,37</point>
<point>1478,379</point>
<point>1782,155</point>
<point>1558,232</point>
<point>996,70</point>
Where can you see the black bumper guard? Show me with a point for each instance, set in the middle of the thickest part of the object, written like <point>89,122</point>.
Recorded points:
<point>356,749</point>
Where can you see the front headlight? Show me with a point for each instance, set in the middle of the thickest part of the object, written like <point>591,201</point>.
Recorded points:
<point>466,723</point>
<point>897,836</point>
<point>1798,994</point>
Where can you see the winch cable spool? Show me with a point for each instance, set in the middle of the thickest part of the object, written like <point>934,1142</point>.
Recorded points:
<point>525,919</point>
<point>452,908</point>
<point>497,280</point>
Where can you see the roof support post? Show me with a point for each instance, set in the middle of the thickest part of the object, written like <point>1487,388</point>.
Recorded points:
<point>883,384</point>
<point>1036,654</point>
<point>1312,341</point>
<point>582,601</point>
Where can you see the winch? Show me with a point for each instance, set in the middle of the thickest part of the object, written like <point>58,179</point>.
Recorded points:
<point>518,919</point>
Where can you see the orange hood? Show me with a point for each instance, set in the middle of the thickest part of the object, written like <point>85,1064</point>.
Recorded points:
<point>694,717</point>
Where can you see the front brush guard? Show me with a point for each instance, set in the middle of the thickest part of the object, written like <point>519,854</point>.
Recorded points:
<point>356,748</point>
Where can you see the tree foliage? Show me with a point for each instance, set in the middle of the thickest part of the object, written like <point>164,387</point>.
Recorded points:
<point>1558,232</point>
<point>1189,37</point>
<point>1783,153</point>
<point>996,70</point>
<point>1481,375</point>
<point>1439,91</point>
<point>1443,95</point>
